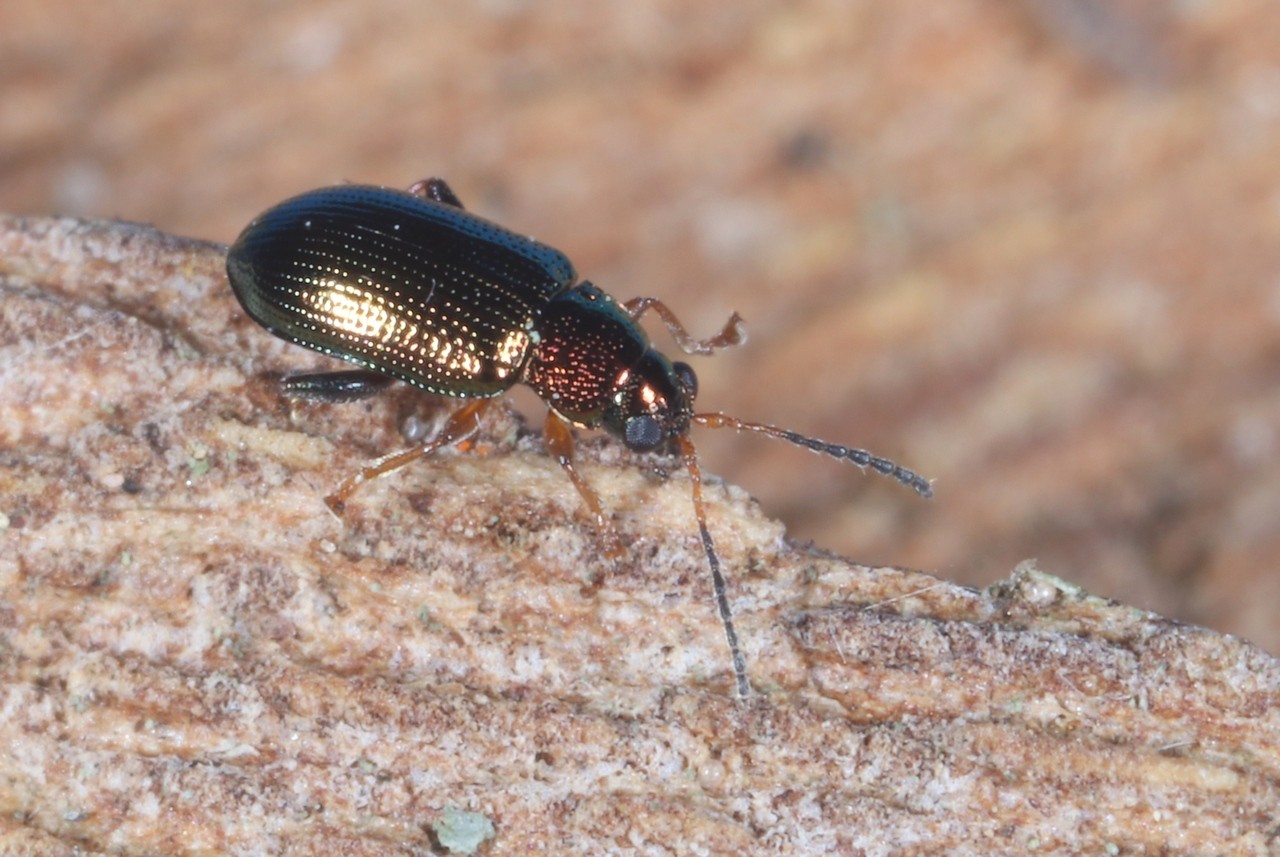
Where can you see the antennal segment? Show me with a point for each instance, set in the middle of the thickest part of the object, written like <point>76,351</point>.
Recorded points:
<point>690,456</point>
<point>860,457</point>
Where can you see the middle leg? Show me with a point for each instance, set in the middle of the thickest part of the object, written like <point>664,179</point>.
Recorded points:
<point>462,425</point>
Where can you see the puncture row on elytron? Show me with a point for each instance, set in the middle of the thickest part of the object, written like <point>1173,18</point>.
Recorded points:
<point>411,287</point>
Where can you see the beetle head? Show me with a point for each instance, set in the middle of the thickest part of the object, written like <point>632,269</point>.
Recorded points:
<point>652,402</point>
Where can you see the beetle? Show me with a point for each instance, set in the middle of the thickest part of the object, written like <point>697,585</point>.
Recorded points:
<point>411,287</point>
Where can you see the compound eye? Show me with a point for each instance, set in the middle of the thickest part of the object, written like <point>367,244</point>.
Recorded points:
<point>643,433</point>
<point>688,380</point>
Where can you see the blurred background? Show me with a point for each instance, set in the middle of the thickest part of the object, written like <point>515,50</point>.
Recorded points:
<point>1030,248</point>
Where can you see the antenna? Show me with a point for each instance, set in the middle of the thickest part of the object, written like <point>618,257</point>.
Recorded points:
<point>860,457</point>
<point>690,455</point>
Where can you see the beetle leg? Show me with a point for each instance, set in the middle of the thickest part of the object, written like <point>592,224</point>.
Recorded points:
<point>559,440</point>
<point>334,387</point>
<point>461,426</point>
<point>734,333</point>
<point>435,189</point>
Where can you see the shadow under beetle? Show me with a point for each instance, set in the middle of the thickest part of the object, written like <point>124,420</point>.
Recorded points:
<point>413,288</point>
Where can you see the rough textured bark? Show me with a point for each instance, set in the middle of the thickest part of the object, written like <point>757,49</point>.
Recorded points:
<point>197,657</point>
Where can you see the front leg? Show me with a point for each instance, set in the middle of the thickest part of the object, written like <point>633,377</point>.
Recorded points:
<point>734,333</point>
<point>559,440</point>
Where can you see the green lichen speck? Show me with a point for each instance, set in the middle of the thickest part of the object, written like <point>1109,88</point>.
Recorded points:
<point>463,832</point>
